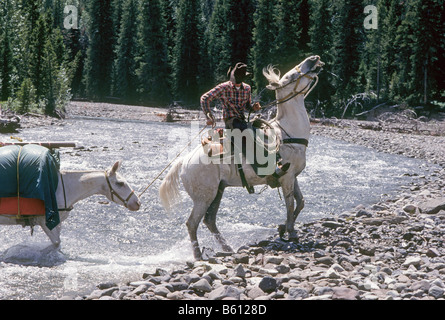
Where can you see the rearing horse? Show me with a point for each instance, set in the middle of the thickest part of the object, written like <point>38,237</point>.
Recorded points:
<point>205,183</point>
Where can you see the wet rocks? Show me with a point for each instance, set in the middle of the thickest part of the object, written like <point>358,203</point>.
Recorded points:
<point>317,267</point>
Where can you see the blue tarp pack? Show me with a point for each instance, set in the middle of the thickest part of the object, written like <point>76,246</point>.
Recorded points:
<point>35,176</point>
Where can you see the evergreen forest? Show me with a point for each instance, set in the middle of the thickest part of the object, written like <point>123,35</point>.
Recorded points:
<point>156,52</point>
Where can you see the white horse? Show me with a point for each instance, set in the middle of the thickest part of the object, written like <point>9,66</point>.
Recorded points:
<point>205,183</point>
<point>75,186</point>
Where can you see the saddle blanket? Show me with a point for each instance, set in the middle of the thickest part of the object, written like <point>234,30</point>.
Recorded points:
<point>30,172</point>
<point>28,207</point>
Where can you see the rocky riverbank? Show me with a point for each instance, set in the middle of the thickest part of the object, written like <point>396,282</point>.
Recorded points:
<point>392,250</point>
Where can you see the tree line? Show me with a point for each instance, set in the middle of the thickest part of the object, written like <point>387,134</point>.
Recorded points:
<point>153,52</point>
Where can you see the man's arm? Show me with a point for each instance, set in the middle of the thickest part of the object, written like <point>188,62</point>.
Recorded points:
<point>207,98</point>
<point>256,106</point>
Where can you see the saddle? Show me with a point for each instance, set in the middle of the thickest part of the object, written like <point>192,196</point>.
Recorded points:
<point>263,156</point>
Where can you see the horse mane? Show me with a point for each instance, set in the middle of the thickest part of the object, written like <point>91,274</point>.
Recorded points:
<point>273,75</point>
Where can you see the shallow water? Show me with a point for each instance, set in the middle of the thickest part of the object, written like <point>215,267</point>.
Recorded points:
<point>109,243</point>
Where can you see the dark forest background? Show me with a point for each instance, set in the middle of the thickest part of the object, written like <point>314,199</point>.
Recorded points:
<point>154,52</point>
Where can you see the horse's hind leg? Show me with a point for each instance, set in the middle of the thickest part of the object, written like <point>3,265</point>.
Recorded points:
<point>299,199</point>
<point>198,211</point>
<point>210,219</point>
<point>53,235</point>
<point>290,193</point>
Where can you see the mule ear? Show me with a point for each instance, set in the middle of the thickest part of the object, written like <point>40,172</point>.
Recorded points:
<point>115,167</point>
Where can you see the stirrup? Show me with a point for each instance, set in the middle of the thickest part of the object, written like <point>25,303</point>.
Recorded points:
<point>272,180</point>
<point>281,171</point>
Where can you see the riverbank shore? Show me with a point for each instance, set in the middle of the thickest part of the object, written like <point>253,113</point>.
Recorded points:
<point>391,250</point>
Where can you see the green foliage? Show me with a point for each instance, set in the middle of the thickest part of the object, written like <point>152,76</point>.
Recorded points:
<point>187,52</point>
<point>6,64</point>
<point>124,70</point>
<point>153,70</point>
<point>154,51</point>
<point>99,60</point>
<point>26,97</point>
<point>264,51</point>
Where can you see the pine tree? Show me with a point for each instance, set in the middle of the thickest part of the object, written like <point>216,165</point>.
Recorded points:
<point>264,51</point>
<point>6,61</point>
<point>348,45</point>
<point>389,22</point>
<point>289,40</point>
<point>218,40</point>
<point>49,77</point>
<point>187,51</point>
<point>321,44</point>
<point>427,32</point>
<point>241,18</point>
<point>124,69</point>
<point>153,69</point>
<point>99,60</point>
<point>38,39</point>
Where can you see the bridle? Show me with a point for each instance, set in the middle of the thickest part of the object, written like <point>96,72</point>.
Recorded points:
<point>115,194</point>
<point>306,90</point>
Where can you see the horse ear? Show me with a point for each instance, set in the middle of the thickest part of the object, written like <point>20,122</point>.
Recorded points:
<point>116,167</point>
<point>273,86</point>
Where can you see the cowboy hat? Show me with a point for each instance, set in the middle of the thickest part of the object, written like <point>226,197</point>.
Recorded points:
<point>238,73</point>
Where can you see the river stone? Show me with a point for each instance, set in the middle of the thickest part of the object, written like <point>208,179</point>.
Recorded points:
<point>410,208</point>
<point>436,292</point>
<point>331,224</point>
<point>239,271</point>
<point>273,259</point>
<point>367,249</point>
<point>223,292</point>
<point>241,258</point>
<point>178,286</point>
<point>161,291</point>
<point>201,286</point>
<point>255,292</point>
<point>268,284</point>
<point>432,206</point>
<point>342,293</point>
<point>412,261</point>
<point>107,285</point>
<point>297,293</point>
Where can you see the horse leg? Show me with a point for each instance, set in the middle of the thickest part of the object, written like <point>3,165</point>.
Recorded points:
<point>53,235</point>
<point>210,219</point>
<point>299,199</point>
<point>198,211</point>
<point>288,191</point>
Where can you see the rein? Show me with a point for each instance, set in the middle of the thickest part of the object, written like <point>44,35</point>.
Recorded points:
<point>171,162</point>
<point>294,92</point>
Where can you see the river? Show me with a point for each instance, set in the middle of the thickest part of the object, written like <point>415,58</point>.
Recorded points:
<point>106,242</point>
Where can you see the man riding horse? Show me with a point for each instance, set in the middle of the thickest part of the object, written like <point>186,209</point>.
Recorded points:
<point>236,99</point>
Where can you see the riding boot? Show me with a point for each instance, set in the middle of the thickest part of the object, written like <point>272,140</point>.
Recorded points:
<point>272,180</point>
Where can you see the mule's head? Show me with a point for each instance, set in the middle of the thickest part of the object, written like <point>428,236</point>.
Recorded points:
<point>120,191</point>
<point>298,79</point>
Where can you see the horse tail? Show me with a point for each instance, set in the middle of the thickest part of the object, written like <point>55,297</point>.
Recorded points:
<point>169,190</point>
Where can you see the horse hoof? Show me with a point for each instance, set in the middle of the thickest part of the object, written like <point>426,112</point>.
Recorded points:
<point>281,230</point>
<point>293,236</point>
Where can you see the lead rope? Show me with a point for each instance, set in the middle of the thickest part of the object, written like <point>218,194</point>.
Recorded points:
<point>171,162</point>
<point>18,184</point>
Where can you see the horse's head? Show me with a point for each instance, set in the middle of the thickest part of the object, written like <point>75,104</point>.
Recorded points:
<point>119,189</point>
<point>297,80</point>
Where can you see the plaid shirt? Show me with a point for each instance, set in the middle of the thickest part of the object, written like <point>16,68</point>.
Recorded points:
<point>235,101</point>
